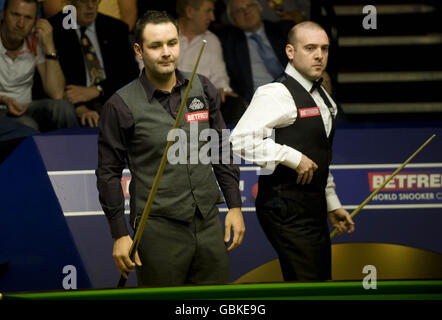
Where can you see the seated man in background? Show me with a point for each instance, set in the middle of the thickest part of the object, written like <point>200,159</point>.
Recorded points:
<point>164,5</point>
<point>27,44</point>
<point>124,10</point>
<point>97,58</point>
<point>253,48</point>
<point>295,10</point>
<point>194,19</point>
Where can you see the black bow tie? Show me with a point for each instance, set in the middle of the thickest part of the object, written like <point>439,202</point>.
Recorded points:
<point>316,84</point>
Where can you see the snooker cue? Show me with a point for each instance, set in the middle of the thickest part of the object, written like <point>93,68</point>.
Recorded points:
<point>148,206</point>
<point>385,182</point>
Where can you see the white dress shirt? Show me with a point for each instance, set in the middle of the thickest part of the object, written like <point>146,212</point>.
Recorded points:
<point>272,106</point>
<point>211,64</point>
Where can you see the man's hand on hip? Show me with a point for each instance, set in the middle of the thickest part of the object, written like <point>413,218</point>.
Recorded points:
<point>305,170</point>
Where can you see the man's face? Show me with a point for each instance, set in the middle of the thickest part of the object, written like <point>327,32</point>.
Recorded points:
<point>160,50</point>
<point>19,19</point>
<point>309,54</point>
<point>202,17</point>
<point>245,15</point>
<point>86,11</point>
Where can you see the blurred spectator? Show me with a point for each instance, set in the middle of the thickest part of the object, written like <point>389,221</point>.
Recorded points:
<point>124,10</point>
<point>96,58</point>
<point>27,44</point>
<point>254,49</point>
<point>272,10</point>
<point>51,7</point>
<point>194,19</point>
<point>161,5</point>
<point>295,10</point>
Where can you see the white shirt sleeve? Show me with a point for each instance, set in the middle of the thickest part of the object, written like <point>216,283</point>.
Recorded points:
<point>333,202</point>
<point>253,138</point>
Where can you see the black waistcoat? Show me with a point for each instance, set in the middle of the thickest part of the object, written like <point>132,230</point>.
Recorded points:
<point>307,135</point>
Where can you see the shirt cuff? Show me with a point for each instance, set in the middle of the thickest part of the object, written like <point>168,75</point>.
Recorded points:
<point>333,202</point>
<point>118,227</point>
<point>292,159</point>
<point>233,198</point>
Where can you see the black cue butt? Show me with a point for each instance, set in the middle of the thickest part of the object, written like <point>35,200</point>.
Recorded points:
<point>122,282</point>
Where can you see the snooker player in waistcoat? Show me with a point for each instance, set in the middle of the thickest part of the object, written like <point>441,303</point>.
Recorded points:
<point>183,240</point>
<point>293,202</point>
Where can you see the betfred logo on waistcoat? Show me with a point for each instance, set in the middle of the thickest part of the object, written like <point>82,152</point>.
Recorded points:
<point>309,112</point>
<point>197,116</point>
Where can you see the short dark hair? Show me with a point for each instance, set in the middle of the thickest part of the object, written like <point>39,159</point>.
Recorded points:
<point>154,17</point>
<point>6,4</point>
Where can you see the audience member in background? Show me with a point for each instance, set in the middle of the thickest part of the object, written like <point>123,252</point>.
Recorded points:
<point>27,44</point>
<point>194,19</point>
<point>254,48</point>
<point>272,10</point>
<point>294,10</point>
<point>161,5</point>
<point>51,7</point>
<point>124,10</point>
<point>97,58</point>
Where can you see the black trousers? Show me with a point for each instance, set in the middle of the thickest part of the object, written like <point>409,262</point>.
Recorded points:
<point>300,236</point>
<point>174,252</point>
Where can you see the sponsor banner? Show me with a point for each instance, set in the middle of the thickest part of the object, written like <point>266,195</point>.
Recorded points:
<point>414,186</point>
<point>78,195</point>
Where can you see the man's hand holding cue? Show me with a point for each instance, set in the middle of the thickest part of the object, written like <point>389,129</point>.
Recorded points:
<point>341,220</point>
<point>121,257</point>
